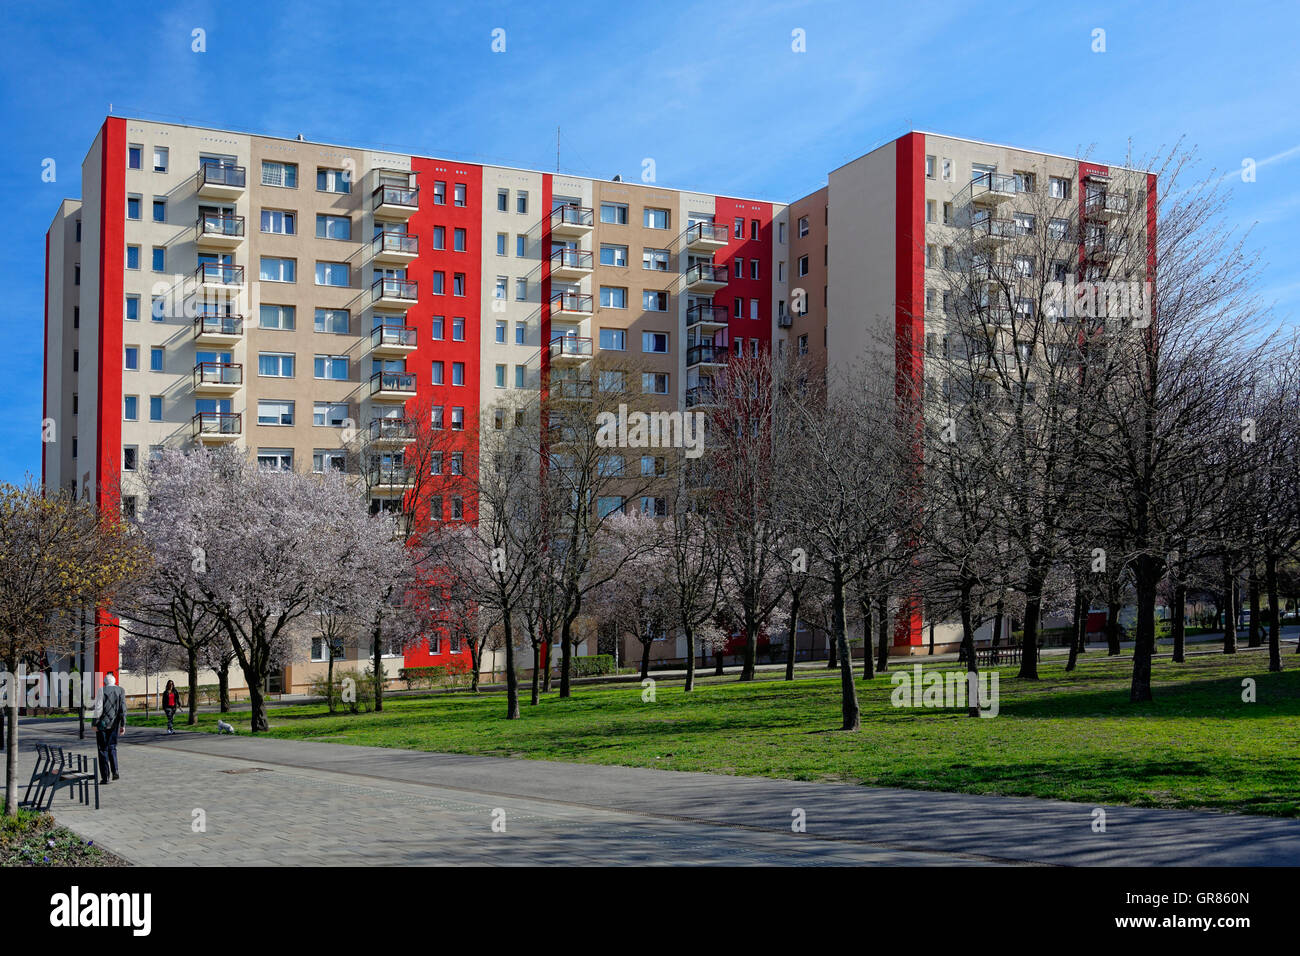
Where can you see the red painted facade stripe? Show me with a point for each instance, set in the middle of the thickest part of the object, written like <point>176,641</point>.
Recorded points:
<point>725,212</point>
<point>909,312</point>
<point>108,412</point>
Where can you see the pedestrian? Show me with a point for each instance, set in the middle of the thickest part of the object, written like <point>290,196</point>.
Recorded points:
<point>110,720</point>
<point>171,701</point>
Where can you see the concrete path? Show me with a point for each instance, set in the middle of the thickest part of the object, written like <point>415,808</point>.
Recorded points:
<point>272,802</point>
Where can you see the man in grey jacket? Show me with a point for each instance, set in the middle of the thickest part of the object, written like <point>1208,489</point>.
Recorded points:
<point>110,719</point>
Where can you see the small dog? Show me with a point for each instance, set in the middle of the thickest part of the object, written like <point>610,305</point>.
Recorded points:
<point>224,728</point>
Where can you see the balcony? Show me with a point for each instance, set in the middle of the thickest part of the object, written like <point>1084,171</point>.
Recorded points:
<point>989,189</point>
<point>392,386</point>
<point>707,237</point>
<point>706,277</point>
<point>994,273</point>
<point>221,182</point>
<point>392,341</point>
<point>218,276</point>
<point>1105,206</point>
<point>217,426</point>
<point>570,390</point>
<point>392,431</point>
<point>223,232</point>
<point>392,293</point>
<point>994,232</point>
<point>218,378</point>
<point>395,248</point>
<point>389,477</point>
<point>218,329</point>
<point>708,354</point>
<point>701,396</point>
<point>785,320</point>
<point>572,221</point>
<point>1105,247</point>
<point>396,202</point>
<point>707,317</point>
<point>570,263</point>
<point>570,350</point>
<point>571,305</point>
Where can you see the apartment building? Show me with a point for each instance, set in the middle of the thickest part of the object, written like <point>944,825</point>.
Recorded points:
<point>303,300</point>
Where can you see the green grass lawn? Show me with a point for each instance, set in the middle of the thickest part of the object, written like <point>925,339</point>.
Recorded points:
<point>1073,736</point>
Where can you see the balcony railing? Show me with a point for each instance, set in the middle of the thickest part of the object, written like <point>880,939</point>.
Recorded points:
<point>1107,203</point>
<point>392,382</point>
<point>570,390</point>
<point>991,228</point>
<point>570,347</point>
<point>570,258</point>
<point>215,174</point>
<point>997,184</point>
<point>219,273</point>
<point>572,216</point>
<point>392,288</point>
<point>707,232</point>
<point>397,242</point>
<point>701,395</point>
<point>398,336</point>
<point>214,225</point>
<point>708,314</point>
<point>218,373</point>
<point>217,424</point>
<point>211,323</point>
<point>403,196</point>
<point>389,473</point>
<point>706,272</point>
<point>571,302</point>
<point>706,355</point>
<point>392,429</point>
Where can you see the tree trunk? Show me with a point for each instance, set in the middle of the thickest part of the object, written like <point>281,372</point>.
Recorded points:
<point>792,635</point>
<point>751,646</point>
<point>378,664</point>
<point>1256,635</point>
<point>997,624</point>
<point>882,621</point>
<point>1178,626</point>
<point>1076,629</point>
<point>688,630</point>
<point>868,671</point>
<point>1230,610</point>
<point>329,680</point>
<point>257,705</point>
<point>192,675</point>
<point>717,657</point>
<point>223,687</point>
<point>1146,578</point>
<point>968,646</point>
<point>537,677</point>
<point>1029,648</point>
<point>849,710</point>
<point>645,660</point>
<point>512,678</point>
<point>1274,621</point>
<point>566,649</point>
<point>1112,628</point>
<point>832,652</point>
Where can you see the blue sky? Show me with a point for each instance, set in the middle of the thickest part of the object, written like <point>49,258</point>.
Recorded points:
<point>711,91</point>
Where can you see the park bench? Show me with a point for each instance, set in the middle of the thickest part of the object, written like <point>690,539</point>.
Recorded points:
<point>55,768</point>
<point>993,656</point>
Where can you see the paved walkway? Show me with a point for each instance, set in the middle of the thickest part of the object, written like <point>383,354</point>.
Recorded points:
<point>270,802</point>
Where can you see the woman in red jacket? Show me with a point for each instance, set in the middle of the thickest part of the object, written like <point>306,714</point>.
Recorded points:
<point>170,701</point>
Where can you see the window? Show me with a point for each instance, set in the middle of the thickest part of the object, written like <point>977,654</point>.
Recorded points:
<point>753,308</point>
<point>329,414</point>
<point>335,321</point>
<point>521,333</point>
<point>1024,223</point>
<point>652,467</point>
<point>738,307</point>
<point>437,327</point>
<point>132,358</point>
<point>457,373</point>
<point>435,418</point>
<point>435,463</point>
<point>803,226</point>
<point>521,201</point>
<point>281,222</point>
<point>657,507</point>
<point>279,174</point>
<point>439,283</point>
<point>612,297</point>
<point>130,407</point>
<point>503,200</point>
<point>610,466</point>
<point>501,243</point>
<point>500,372</point>
<point>440,193</point>
<point>133,257</point>
<point>275,317</point>
<point>160,159</point>
<point>458,194</point>
<point>654,301</point>
<point>1058,187</point>
<point>947,214</point>
<point>929,210</point>
<point>436,375</point>
<point>606,505</point>
<point>754,268</point>
<point>1025,182</point>
<point>521,247</point>
<point>133,156</point>
<point>754,228</point>
<point>803,344</point>
<point>500,331</point>
<point>458,419</point>
<point>275,364</point>
<point>1058,228</point>
<point>1024,265</point>
<point>158,308</point>
<point>457,510</point>
<point>654,342</point>
<point>656,260</point>
<point>155,359</point>
<point>272,269</point>
<point>780,233</point>
<point>458,330</point>
<point>328,459</point>
<point>654,383</point>
<point>738,268</point>
<point>333,227</point>
<point>655,218</point>
<point>275,459</point>
<point>155,408</point>
<point>132,207</point>
<point>159,259</point>
<point>499,291</point>
<point>521,376</point>
<point>929,167</point>
<point>458,284</point>
<point>458,240</point>
<point>521,290</point>
<point>614,213</point>
<point>274,413</point>
<point>803,266</point>
<point>130,459</point>
<point>332,273</point>
<point>611,255</point>
<point>613,340</point>
<point>333,181</point>
<point>159,210</point>
<point>738,228</point>
<point>334,367</point>
<point>133,308</point>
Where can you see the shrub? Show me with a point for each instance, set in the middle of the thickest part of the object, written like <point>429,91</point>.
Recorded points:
<point>593,665</point>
